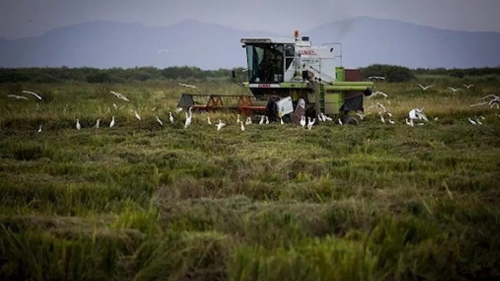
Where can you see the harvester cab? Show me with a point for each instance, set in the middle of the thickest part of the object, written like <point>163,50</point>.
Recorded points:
<point>284,67</point>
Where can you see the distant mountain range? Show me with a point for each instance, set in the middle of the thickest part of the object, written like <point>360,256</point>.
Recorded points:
<point>364,41</point>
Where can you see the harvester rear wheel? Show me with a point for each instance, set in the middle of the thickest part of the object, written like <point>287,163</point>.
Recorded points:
<point>349,120</point>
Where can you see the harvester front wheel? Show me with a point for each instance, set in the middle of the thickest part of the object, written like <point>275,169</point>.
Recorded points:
<point>287,118</point>
<point>349,120</point>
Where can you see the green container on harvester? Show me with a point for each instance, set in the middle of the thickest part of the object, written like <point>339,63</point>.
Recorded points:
<point>339,73</point>
<point>333,102</point>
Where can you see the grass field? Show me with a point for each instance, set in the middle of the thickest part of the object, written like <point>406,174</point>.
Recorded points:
<point>276,202</point>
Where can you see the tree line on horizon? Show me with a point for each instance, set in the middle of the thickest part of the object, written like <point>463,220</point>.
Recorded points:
<point>392,73</point>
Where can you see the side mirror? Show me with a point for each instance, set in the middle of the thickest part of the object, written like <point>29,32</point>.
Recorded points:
<point>331,50</point>
<point>233,74</point>
<point>243,46</point>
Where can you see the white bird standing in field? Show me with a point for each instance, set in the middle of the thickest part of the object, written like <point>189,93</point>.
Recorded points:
<point>159,120</point>
<point>112,122</point>
<point>326,118</point>
<point>281,121</point>
<point>249,121</point>
<point>261,120</point>
<point>302,121</point>
<point>170,117</point>
<point>340,122</point>
<point>78,126</point>
<point>382,118</point>
<point>391,121</point>
<point>18,97</point>
<point>238,119</point>
<point>208,120</point>
<point>97,123</point>
<point>311,123</point>
<point>40,128</point>
<point>137,115</point>
<point>424,88</point>
<point>220,125</point>
<point>267,120</point>
<point>242,127</point>
<point>188,120</point>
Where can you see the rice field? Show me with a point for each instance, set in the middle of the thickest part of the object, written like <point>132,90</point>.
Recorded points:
<point>141,201</point>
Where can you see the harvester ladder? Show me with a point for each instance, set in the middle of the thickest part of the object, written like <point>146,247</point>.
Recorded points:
<point>321,98</point>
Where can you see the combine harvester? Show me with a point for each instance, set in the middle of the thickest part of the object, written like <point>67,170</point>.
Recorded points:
<point>286,71</point>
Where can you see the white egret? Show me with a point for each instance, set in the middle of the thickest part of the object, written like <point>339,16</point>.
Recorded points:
<point>220,125</point>
<point>159,120</point>
<point>302,121</point>
<point>311,123</point>
<point>120,96</point>
<point>137,115</point>
<point>188,121</point>
<point>18,97</point>
<point>409,122</point>
<point>186,85</point>
<point>424,88</point>
<point>33,94</point>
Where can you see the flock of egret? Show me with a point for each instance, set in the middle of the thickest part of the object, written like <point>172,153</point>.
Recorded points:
<point>416,114</point>
<point>425,88</point>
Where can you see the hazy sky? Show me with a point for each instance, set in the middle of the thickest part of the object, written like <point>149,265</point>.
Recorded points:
<point>21,18</point>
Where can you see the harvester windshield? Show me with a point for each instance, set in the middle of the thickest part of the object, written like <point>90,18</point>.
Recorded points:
<point>265,63</point>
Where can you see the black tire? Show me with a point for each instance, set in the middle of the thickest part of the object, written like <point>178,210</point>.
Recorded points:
<point>287,118</point>
<point>349,120</point>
